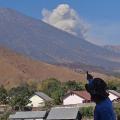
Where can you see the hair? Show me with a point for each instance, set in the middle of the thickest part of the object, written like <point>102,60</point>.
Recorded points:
<point>100,84</point>
<point>97,89</point>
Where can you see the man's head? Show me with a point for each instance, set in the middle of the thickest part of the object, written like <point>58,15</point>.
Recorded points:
<point>97,89</point>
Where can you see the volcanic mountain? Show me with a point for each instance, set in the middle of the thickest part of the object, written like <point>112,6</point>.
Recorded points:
<point>40,41</point>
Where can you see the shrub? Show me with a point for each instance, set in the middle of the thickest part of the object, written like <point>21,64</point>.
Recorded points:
<point>117,110</point>
<point>5,116</point>
<point>87,111</point>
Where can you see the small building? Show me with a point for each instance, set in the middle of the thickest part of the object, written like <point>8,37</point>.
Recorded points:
<point>76,97</point>
<point>64,113</point>
<point>113,95</point>
<point>39,99</point>
<point>31,115</point>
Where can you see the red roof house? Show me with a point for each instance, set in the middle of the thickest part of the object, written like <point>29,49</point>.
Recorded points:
<point>76,97</point>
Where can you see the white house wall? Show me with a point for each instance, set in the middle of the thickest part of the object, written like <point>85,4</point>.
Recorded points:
<point>36,101</point>
<point>72,99</point>
<point>112,96</point>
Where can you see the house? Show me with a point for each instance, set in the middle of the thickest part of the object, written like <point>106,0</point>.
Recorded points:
<point>39,99</point>
<point>113,95</point>
<point>31,115</point>
<point>64,113</point>
<point>76,97</point>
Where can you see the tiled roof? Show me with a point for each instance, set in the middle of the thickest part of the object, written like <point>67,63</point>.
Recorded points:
<point>62,113</point>
<point>43,96</point>
<point>83,94</point>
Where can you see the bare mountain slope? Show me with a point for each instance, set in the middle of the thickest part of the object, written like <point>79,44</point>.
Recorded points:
<point>41,41</point>
<point>15,69</point>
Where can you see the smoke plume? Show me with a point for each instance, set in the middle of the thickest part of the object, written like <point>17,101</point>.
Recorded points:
<point>65,18</point>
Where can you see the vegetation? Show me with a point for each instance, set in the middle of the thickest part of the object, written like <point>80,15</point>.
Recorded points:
<point>117,109</point>
<point>114,85</point>
<point>18,97</point>
<point>3,95</point>
<point>53,88</point>
<point>56,90</point>
<point>87,111</point>
<point>5,116</point>
<point>73,85</point>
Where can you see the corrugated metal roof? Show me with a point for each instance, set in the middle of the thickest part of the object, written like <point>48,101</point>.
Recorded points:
<point>63,113</point>
<point>114,92</point>
<point>28,115</point>
<point>44,96</point>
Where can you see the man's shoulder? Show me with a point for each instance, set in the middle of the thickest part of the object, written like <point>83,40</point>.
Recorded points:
<point>104,104</point>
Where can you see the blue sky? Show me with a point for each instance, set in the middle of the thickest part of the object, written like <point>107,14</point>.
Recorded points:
<point>103,16</point>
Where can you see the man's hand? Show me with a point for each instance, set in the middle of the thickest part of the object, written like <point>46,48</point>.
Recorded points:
<point>89,76</point>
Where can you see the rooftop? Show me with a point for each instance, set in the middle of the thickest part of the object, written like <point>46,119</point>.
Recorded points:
<point>63,113</point>
<point>84,94</point>
<point>28,115</point>
<point>43,96</point>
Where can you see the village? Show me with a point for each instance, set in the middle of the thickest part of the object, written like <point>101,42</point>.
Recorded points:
<point>69,109</point>
<point>41,106</point>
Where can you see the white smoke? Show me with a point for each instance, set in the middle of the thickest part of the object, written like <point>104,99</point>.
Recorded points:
<point>65,18</point>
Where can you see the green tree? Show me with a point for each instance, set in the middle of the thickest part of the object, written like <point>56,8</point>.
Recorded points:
<point>73,85</point>
<point>3,95</point>
<point>114,85</point>
<point>19,96</point>
<point>87,111</point>
<point>53,88</point>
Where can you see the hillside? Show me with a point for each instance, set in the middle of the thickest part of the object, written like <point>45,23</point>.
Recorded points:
<point>43,42</point>
<point>16,69</point>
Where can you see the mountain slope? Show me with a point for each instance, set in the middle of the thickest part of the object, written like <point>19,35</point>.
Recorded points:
<point>41,41</point>
<point>115,48</point>
<point>16,69</point>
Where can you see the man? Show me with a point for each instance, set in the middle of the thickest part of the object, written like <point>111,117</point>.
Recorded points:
<point>98,91</point>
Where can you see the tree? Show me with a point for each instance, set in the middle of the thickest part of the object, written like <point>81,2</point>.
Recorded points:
<point>73,85</point>
<point>3,95</point>
<point>52,87</point>
<point>114,85</point>
<point>19,96</point>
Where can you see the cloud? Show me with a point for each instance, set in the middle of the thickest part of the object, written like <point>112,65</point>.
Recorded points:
<point>65,18</point>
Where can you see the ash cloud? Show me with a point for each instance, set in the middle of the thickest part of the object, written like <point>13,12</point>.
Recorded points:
<point>66,19</point>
